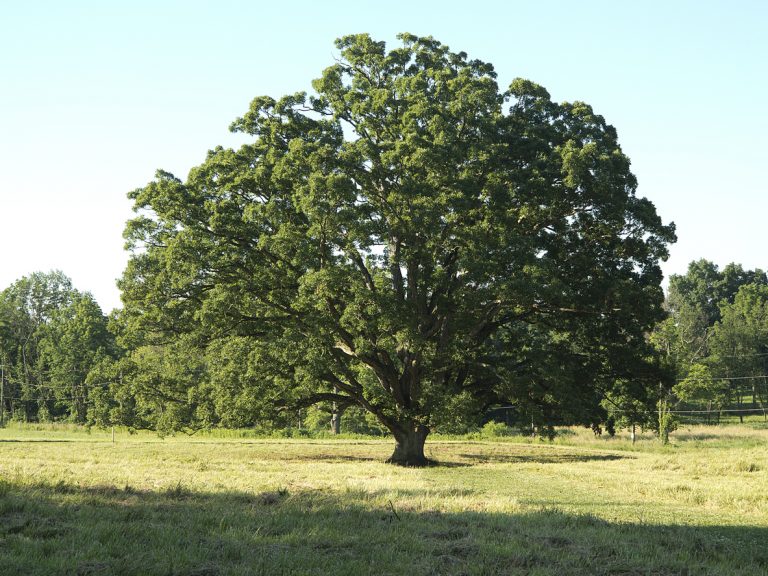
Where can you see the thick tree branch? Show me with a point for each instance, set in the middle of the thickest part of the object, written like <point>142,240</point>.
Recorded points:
<point>354,255</point>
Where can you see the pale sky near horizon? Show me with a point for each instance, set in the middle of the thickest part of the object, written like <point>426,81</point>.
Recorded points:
<point>95,96</point>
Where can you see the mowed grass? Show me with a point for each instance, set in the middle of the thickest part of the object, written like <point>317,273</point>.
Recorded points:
<point>75,503</point>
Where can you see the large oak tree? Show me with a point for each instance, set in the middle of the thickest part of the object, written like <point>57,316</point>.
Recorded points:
<point>411,240</point>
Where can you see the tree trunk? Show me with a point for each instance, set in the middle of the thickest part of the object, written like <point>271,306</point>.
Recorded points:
<point>335,421</point>
<point>335,415</point>
<point>409,446</point>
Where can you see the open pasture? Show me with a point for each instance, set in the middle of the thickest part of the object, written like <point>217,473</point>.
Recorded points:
<point>76,503</point>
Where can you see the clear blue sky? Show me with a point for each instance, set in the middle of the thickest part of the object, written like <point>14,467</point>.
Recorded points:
<point>94,96</point>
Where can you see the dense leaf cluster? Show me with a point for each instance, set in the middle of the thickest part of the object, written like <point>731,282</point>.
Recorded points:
<point>716,337</point>
<point>53,339</point>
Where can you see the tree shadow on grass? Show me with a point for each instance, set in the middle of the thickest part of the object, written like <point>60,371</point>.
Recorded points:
<point>695,436</point>
<point>446,458</point>
<point>42,440</point>
<point>324,456</point>
<point>69,530</point>
<point>440,455</point>
<point>539,458</point>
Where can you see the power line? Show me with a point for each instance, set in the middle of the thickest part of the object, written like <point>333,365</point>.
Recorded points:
<point>750,355</point>
<point>717,411</point>
<point>82,399</point>
<point>86,385</point>
<point>728,378</point>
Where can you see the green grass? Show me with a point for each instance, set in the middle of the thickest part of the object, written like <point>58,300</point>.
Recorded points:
<point>73,502</point>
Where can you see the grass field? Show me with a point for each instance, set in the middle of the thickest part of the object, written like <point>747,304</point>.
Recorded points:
<point>73,503</point>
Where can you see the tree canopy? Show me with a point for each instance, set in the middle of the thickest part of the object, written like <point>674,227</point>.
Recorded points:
<point>695,301</point>
<point>408,239</point>
<point>714,338</point>
<point>51,337</point>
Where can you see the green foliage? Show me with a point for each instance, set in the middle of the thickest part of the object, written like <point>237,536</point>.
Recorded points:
<point>740,337</point>
<point>157,388</point>
<point>496,430</point>
<point>740,344</point>
<point>714,339</point>
<point>409,240</point>
<point>74,341</point>
<point>699,387</point>
<point>51,337</point>
<point>354,420</point>
<point>666,420</point>
<point>695,300</point>
<point>631,403</point>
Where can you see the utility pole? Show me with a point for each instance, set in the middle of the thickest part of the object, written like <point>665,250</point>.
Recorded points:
<point>2,399</point>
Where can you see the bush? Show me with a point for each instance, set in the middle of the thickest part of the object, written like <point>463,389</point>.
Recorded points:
<point>496,430</point>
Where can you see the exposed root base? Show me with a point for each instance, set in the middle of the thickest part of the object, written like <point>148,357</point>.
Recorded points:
<point>411,463</point>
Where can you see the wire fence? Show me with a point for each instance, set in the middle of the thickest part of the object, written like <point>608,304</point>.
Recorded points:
<point>749,413</point>
<point>748,403</point>
<point>726,416</point>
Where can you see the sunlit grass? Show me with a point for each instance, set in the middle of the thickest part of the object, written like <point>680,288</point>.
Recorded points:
<point>73,502</point>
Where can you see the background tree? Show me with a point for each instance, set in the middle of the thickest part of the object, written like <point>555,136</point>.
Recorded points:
<point>740,344</point>
<point>408,240</point>
<point>28,304</point>
<point>698,333</point>
<point>633,402</point>
<point>694,301</point>
<point>72,343</point>
<point>699,387</point>
<point>51,335</point>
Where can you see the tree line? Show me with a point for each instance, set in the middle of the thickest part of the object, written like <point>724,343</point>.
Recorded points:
<point>53,339</point>
<point>716,338</point>
<point>64,359</point>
